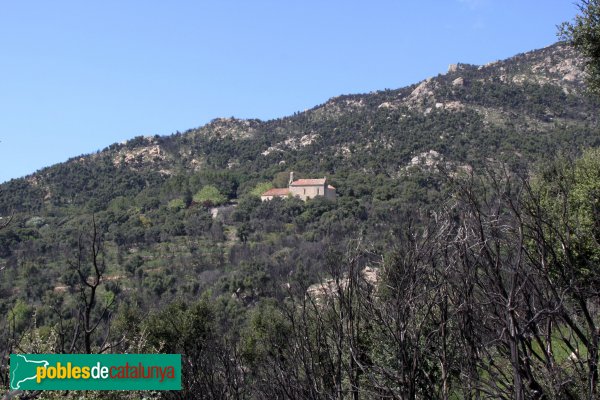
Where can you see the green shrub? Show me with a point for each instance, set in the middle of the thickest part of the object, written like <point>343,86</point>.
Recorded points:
<point>209,196</point>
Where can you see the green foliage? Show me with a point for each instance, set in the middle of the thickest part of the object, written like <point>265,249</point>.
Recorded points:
<point>569,191</point>
<point>209,195</point>
<point>586,194</point>
<point>180,326</point>
<point>19,316</point>
<point>176,204</point>
<point>266,334</point>
<point>260,188</point>
<point>584,34</point>
<point>282,179</point>
<point>197,222</point>
<point>164,249</point>
<point>159,284</point>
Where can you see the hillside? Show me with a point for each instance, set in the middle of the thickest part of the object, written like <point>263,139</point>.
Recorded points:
<point>517,109</point>
<point>181,275</point>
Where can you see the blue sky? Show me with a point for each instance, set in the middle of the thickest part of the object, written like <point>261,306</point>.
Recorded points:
<point>76,76</point>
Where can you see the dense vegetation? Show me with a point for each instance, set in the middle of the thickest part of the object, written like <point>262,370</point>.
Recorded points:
<point>470,271</point>
<point>584,34</point>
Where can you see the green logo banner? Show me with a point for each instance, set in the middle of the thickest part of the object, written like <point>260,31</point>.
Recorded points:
<point>95,371</point>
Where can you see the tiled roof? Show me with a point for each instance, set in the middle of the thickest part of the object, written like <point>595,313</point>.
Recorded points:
<point>277,192</point>
<point>308,182</point>
<point>330,187</point>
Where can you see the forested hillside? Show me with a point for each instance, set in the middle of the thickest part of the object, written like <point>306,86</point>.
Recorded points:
<point>460,259</point>
<point>515,110</point>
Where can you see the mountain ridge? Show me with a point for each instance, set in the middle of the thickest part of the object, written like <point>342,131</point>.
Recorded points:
<point>535,99</point>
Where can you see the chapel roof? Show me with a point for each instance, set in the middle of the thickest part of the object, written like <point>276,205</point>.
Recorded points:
<point>309,182</point>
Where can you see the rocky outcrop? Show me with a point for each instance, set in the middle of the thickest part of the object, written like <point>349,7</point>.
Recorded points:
<point>292,143</point>
<point>327,289</point>
<point>233,128</point>
<point>147,154</point>
<point>460,81</point>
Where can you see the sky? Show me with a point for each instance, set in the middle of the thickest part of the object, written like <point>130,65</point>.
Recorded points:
<point>77,76</point>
